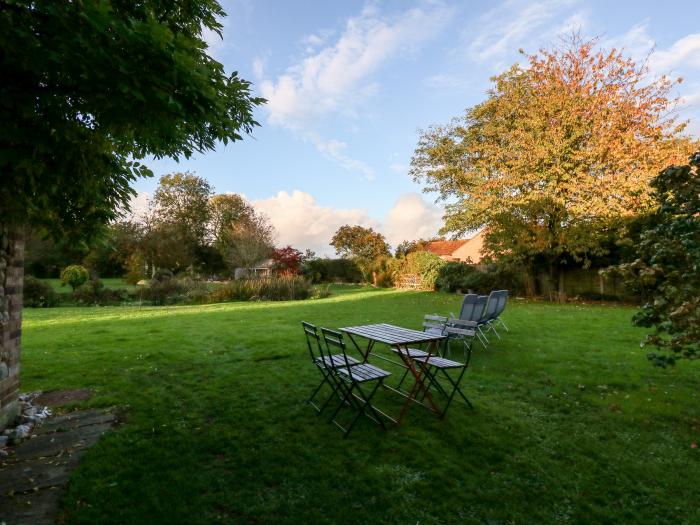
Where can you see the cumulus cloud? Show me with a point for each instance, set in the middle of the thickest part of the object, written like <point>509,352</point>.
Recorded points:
<point>303,223</point>
<point>335,76</point>
<point>411,218</point>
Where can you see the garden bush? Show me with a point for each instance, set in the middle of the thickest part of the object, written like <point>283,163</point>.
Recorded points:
<point>164,289</point>
<point>465,278</point>
<point>74,276</point>
<point>38,294</point>
<point>272,289</point>
<point>94,292</point>
<point>332,271</point>
<point>455,277</point>
<point>426,265</point>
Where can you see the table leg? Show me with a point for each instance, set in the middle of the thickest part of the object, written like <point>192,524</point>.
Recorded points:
<point>418,384</point>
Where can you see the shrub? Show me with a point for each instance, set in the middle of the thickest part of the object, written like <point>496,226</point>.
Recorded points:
<point>273,289</point>
<point>425,265</point>
<point>332,271</point>
<point>74,276</point>
<point>321,292</point>
<point>135,266</point>
<point>164,289</point>
<point>93,292</point>
<point>455,277</point>
<point>460,277</point>
<point>666,267</point>
<point>38,294</point>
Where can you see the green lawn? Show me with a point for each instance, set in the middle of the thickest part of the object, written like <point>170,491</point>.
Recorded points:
<point>110,282</point>
<point>571,424</point>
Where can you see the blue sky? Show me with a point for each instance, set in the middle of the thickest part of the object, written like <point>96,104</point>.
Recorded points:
<point>350,84</point>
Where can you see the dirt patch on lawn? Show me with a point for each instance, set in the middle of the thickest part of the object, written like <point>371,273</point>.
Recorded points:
<point>57,398</point>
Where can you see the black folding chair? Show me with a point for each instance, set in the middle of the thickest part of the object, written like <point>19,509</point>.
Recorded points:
<point>437,369</point>
<point>432,324</point>
<point>351,377</point>
<point>323,362</point>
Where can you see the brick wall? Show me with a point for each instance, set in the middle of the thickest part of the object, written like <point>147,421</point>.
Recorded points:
<point>11,279</point>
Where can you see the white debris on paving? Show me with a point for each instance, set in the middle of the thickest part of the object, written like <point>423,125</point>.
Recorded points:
<point>30,416</point>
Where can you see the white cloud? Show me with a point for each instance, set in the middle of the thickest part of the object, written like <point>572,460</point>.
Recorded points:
<point>683,53</point>
<point>636,42</point>
<point>303,223</point>
<point>335,80</point>
<point>259,67</point>
<point>138,205</point>
<point>502,30</point>
<point>335,150</point>
<point>411,218</point>
<point>447,82</point>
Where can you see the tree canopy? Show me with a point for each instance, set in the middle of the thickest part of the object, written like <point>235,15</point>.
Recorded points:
<point>561,150</point>
<point>92,88</point>
<point>359,242</point>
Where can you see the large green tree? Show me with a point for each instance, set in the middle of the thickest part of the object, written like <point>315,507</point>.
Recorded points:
<point>182,201</point>
<point>365,246</point>
<point>225,210</point>
<point>561,151</point>
<point>89,90</point>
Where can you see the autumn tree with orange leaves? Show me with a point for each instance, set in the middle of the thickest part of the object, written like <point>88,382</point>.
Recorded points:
<point>557,157</point>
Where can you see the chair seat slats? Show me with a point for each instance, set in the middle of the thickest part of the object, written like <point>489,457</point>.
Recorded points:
<point>440,362</point>
<point>361,373</point>
<point>335,360</point>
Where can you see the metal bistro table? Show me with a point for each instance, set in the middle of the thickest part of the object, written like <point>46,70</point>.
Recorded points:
<point>399,338</point>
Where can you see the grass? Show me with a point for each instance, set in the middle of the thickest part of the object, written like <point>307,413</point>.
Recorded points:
<point>115,283</point>
<point>571,425</point>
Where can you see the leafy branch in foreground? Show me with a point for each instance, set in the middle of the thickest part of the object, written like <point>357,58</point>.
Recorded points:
<point>667,266</point>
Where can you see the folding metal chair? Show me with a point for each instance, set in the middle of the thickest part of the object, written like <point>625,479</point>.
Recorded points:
<point>437,368</point>
<point>433,324</point>
<point>496,305</point>
<point>323,362</point>
<point>351,377</point>
<point>474,313</point>
<point>500,307</point>
<point>458,329</point>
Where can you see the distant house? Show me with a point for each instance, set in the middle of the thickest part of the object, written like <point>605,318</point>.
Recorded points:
<point>262,269</point>
<point>468,250</point>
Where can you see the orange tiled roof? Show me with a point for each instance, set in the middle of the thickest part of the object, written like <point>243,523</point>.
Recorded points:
<point>443,247</point>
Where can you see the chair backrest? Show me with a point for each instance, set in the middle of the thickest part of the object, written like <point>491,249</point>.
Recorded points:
<point>334,344</point>
<point>313,340</point>
<point>491,306</point>
<point>468,304</point>
<point>478,311</point>
<point>434,323</point>
<point>501,304</point>
<point>457,329</point>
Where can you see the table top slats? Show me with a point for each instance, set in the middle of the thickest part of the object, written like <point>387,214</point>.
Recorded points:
<point>390,334</point>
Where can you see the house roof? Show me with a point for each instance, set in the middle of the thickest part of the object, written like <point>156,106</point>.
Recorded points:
<point>444,247</point>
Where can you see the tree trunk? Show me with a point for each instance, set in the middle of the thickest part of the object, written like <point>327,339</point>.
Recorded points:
<point>529,281</point>
<point>561,295</point>
<point>11,282</point>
